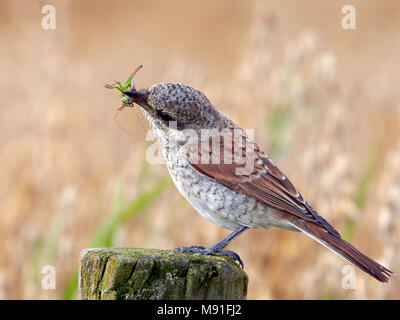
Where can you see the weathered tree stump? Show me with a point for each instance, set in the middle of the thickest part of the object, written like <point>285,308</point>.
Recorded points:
<point>124,273</point>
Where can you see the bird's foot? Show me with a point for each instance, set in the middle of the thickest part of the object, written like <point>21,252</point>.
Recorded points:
<point>211,251</point>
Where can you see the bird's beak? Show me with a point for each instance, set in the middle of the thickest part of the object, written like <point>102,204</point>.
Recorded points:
<point>140,98</point>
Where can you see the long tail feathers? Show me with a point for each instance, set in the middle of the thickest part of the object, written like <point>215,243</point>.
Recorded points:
<point>343,249</point>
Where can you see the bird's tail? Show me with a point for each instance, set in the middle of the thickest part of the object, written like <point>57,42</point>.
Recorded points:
<point>343,249</point>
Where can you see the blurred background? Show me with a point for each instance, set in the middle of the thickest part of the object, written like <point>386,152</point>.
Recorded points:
<point>324,103</point>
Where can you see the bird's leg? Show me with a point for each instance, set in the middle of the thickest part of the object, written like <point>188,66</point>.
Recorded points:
<point>216,249</point>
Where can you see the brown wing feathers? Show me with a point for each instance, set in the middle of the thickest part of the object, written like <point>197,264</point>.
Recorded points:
<point>269,185</point>
<point>265,182</point>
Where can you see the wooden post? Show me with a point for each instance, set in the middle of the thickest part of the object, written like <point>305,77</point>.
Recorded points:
<point>124,273</point>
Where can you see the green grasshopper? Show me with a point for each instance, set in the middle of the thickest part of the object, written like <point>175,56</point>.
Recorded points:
<point>128,85</point>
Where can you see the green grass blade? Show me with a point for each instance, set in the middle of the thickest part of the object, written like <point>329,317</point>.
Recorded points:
<point>366,178</point>
<point>104,236</point>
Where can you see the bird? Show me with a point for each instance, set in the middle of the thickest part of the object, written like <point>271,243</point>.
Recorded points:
<point>228,178</point>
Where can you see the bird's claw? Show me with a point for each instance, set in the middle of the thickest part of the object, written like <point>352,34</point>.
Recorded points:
<point>231,254</point>
<point>211,251</point>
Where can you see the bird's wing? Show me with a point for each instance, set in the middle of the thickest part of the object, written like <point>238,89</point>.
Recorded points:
<point>243,167</point>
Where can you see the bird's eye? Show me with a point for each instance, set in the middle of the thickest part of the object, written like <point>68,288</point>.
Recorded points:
<point>165,117</point>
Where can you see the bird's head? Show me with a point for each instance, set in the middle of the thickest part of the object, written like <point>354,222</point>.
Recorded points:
<point>173,103</point>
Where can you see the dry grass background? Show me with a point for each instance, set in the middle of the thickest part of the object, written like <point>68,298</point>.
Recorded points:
<point>324,103</point>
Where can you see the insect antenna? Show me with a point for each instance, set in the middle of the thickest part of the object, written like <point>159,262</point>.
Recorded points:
<point>140,120</point>
<point>119,110</point>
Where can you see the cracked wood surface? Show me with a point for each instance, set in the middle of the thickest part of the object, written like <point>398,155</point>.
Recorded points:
<point>126,273</point>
